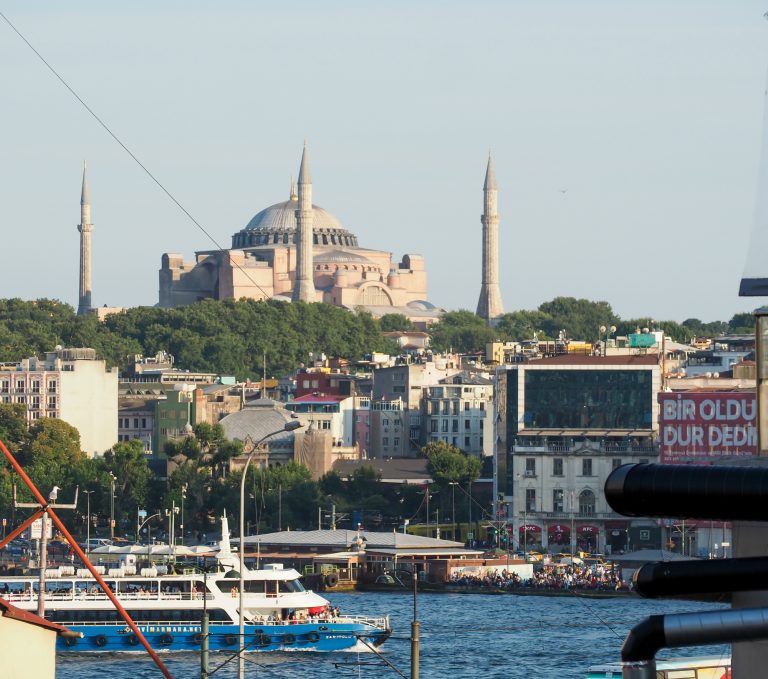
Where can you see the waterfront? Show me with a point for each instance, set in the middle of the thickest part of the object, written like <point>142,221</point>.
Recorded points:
<point>468,636</point>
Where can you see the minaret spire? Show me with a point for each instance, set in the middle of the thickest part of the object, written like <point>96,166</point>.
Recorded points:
<point>304,288</point>
<point>85,227</point>
<point>490,306</point>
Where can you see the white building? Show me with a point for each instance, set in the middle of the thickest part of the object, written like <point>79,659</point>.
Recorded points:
<point>69,384</point>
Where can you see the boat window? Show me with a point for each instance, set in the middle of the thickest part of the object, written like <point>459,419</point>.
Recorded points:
<point>291,586</point>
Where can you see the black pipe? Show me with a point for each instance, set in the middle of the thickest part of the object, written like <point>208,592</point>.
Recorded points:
<point>683,578</point>
<point>687,629</point>
<point>689,491</point>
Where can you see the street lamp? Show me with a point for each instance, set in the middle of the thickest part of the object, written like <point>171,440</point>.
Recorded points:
<point>573,534</point>
<point>112,479</point>
<point>607,331</point>
<point>289,426</point>
<point>88,520</point>
<point>183,497</point>
<point>453,485</point>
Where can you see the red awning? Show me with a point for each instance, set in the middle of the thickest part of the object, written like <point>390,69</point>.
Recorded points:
<point>559,529</point>
<point>530,528</point>
<point>587,530</point>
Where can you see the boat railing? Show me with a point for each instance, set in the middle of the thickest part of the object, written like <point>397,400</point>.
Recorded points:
<point>99,596</point>
<point>378,623</point>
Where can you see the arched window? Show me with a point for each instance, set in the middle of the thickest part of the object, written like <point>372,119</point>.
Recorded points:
<point>586,503</point>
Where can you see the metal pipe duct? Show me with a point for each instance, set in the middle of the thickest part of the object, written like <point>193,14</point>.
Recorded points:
<point>684,578</point>
<point>638,654</point>
<point>689,491</point>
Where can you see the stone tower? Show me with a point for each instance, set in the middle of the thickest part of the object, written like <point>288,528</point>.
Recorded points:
<point>304,287</point>
<point>490,306</point>
<point>85,227</point>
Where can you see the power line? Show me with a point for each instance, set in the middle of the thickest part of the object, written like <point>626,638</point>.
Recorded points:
<point>126,149</point>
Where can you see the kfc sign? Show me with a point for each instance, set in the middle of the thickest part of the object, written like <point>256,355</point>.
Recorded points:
<point>705,425</point>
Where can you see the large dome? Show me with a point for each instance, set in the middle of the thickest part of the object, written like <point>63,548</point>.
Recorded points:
<point>276,225</point>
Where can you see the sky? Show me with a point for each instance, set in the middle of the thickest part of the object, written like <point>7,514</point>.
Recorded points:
<point>626,140</point>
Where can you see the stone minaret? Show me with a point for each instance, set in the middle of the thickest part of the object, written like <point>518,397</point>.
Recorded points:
<point>304,288</point>
<point>85,227</point>
<point>490,306</point>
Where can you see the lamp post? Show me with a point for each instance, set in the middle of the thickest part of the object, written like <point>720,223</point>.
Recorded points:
<point>149,533</point>
<point>183,497</point>
<point>289,426</point>
<point>573,534</point>
<point>453,485</point>
<point>112,479</point>
<point>607,331</point>
<point>87,494</point>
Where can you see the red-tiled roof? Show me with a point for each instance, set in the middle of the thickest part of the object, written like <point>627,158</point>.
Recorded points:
<point>10,611</point>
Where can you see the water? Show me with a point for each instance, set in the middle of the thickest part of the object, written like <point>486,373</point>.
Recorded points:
<point>463,636</point>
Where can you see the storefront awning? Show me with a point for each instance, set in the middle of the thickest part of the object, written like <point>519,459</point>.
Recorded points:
<point>587,530</point>
<point>530,528</point>
<point>559,529</point>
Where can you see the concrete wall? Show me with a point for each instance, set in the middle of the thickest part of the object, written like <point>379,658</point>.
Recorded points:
<point>27,650</point>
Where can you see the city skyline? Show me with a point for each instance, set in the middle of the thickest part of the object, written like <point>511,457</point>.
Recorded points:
<point>625,141</point>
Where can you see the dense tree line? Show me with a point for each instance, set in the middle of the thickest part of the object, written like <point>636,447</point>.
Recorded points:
<point>227,337</point>
<point>578,319</point>
<point>232,337</point>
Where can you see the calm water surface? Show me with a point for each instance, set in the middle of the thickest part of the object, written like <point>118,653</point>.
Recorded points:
<point>463,637</point>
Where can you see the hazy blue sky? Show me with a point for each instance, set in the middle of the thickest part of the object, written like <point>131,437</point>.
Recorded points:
<point>648,113</point>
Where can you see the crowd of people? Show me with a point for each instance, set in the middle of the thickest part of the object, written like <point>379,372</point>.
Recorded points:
<point>548,578</point>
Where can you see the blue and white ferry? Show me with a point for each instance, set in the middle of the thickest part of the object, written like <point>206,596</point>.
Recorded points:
<point>280,615</point>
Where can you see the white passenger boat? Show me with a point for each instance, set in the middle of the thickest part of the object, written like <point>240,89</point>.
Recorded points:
<point>704,667</point>
<point>279,613</point>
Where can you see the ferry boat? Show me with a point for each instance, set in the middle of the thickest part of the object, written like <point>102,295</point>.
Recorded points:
<point>706,667</point>
<point>279,613</point>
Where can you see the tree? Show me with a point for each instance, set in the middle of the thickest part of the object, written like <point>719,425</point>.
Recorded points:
<point>448,464</point>
<point>395,322</point>
<point>133,477</point>
<point>580,318</point>
<point>461,331</point>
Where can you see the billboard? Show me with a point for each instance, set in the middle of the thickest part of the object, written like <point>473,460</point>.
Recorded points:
<point>699,426</point>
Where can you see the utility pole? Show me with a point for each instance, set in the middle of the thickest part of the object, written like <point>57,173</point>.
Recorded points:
<point>43,556</point>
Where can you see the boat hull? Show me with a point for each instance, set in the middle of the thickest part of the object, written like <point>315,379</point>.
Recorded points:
<point>324,637</point>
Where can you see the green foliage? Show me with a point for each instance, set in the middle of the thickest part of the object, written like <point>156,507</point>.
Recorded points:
<point>395,322</point>
<point>580,318</point>
<point>521,325</point>
<point>742,324</point>
<point>461,331</point>
<point>447,464</point>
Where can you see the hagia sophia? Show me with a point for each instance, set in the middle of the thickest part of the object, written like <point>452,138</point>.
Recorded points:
<point>297,251</point>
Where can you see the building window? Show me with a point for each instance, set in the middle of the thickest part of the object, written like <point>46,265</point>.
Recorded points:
<point>586,503</point>
<point>466,406</point>
<point>530,466</point>
<point>5,385</point>
<point>325,424</point>
<point>530,499</point>
<point>643,460</point>
<point>481,441</point>
<point>482,405</point>
<point>466,442</point>
<point>20,386</point>
<point>135,422</point>
<point>385,422</point>
<point>558,502</point>
<point>433,426</point>
<point>446,407</point>
<point>21,399</point>
<point>52,386</point>
<point>396,442</point>
<point>586,467</point>
<point>615,464</point>
<point>466,424</point>
<point>454,426</point>
<point>455,407</point>
<point>454,442</point>
<point>557,466</point>
<point>385,441</point>
<point>398,389</point>
<point>35,386</point>
<point>445,426</point>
